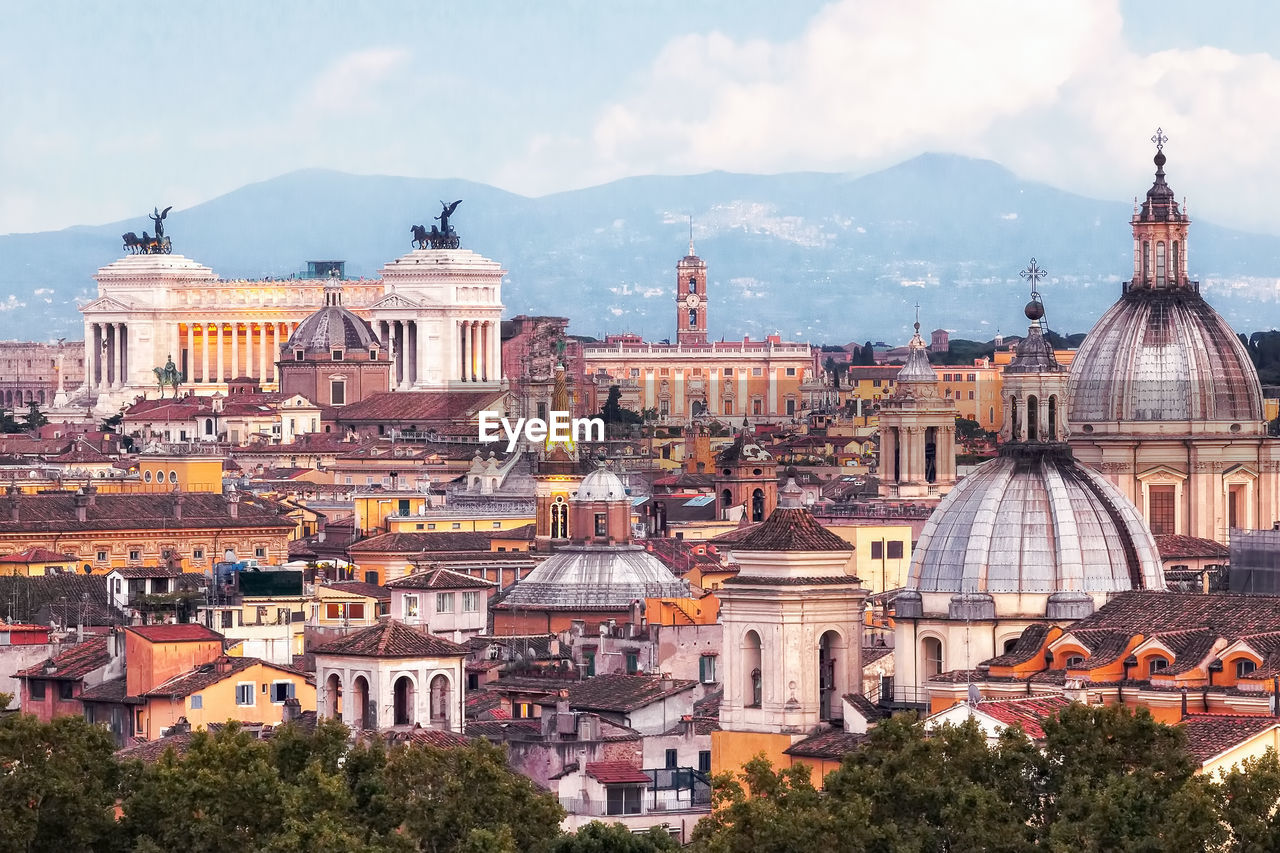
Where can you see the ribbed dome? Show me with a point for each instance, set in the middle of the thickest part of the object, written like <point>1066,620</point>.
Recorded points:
<point>1035,521</point>
<point>595,577</point>
<point>1160,355</point>
<point>332,326</point>
<point>601,485</point>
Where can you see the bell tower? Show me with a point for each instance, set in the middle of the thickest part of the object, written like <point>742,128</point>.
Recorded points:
<point>691,297</point>
<point>917,431</point>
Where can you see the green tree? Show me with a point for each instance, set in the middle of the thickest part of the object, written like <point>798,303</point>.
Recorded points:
<point>34,418</point>
<point>58,784</point>
<point>968,429</point>
<point>598,837</point>
<point>442,795</point>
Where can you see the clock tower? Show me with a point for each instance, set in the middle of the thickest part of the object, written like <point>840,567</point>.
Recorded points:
<point>691,297</point>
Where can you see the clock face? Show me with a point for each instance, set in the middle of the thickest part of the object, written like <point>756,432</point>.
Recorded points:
<point>691,300</point>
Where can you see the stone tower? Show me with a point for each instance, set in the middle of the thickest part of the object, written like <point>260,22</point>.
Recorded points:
<point>691,297</point>
<point>746,476</point>
<point>557,476</point>
<point>917,432</point>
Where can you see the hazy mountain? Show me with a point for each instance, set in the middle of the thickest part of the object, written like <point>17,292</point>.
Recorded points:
<point>818,257</point>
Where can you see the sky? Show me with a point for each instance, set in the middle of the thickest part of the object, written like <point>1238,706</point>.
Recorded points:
<point>109,109</point>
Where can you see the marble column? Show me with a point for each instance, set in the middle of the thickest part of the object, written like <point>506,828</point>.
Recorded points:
<point>484,352</point>
<point>204,352</point>
<point>113,375</point>
<point>262,354</point>
<point>122,373</point>
<point>91,356</point>
<point>235,350</point>
<point>421,369</point>
<point>466,351</point>
<point>222,363</point>
<point>411,355</point>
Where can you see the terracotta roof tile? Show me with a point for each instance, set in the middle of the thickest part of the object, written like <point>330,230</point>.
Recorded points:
<point>789,529</point>
<point>616,773</point>
<point>439,579</point>
<point>113,690</point>
<point>197,679</point>
<point>624,692</point>
<point>151,751</point>
<point>1148,612</point>
<point>37,555</point>
<point>1027,646</point>
<point>832,745</point>
<point>429,737</point>
<point>414,542</point>
<point>65,597</point>
<point>1209,735</point>
<point>1029,713</point>
<point>185,633</point>
<point>155,512</point>
<point>1172,547</point>
<point>392,639</point>
<point>368,590</point>
<point>147,572</point>
<point>74,663</point>
<point>420,406</point>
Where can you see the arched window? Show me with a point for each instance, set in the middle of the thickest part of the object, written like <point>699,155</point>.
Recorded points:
<point>726,500</point>
<point>1155,664</point>
<point>1053,418</point>
<point>559,519</point>
<point>693,284</point>
<point>440,698</point>
<point>1245,667</point>
<point>757,505</point>
<point>753,689</point>
<point>1146,262</point>
<point>404,701</point>
<point>1015,428</point>
<point>1160,269</point>
<point>1033,419</point>
<point>1175,266</point>
<point>693,317</point>
<point>931,655</point>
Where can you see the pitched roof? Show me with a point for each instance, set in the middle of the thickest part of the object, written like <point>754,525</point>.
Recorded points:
<point>150,751</point>
<point>198,678</point>
<point>1147,612</point>
<point>789,529</point>
<point>147,511</point>
<point>368,590</point>
<point>1172,546</point>
<point>616,773</point>
<point>416,542</point>
<point>392,639</point>
<point>67,598</point>
<point>833,745</point>
<point>439,579</point>
<point>190,632</point>
<point>1027,646</point>
<point>1210,735</point>
<point>429,737</point>
<point>1029,713</point>
<point>74,663</point>
<point>37,555</point>
<point>147,572</point>
<point>618,692</point>
<point>451,406</point>
<point>112,690</point>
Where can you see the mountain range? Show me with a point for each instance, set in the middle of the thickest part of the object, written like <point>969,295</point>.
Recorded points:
<point>825,258</point>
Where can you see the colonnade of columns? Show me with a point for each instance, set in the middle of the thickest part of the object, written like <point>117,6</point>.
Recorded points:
<point>218,352</point>
<point>480,350</point>
<point>106,355</point>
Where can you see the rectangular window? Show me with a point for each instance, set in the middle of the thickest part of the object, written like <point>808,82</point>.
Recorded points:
<point>877,550</point>
<point>338,392</point>
<point>66,690</point>
<point>197,702</point>
<point>102,556</point>
<point>704,761</point>
<point>280,691</point>
<point>355,610</point>
<point>228,619</point>
<point>791,407</point>
<point>1161,509</point>
<point>622,799</point>
<point>757,371</point>
<point>895,549</point>
<point>135,556</point>
<point>757,406</point>
<point>602,524</point>
<point>444,602</point>
<point>197,553</point>
<point>589,663</point>
<point>457,525</point>
<point>36,688</point>
<point>260,552</point>
<point>470,602</point>
<point>791,371</point>
<point>337,355</point>
<point>728,371</point>
<point>411,607</point>
<point>971,377</point>
<point>333,611</point>
<point>673,759</point>
<point>244,695</point>
<point>633,663</point>
<point>707,669</point>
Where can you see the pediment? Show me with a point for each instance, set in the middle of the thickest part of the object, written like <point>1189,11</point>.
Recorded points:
<point>1162,474</point>
<point>1240,473</point>
<point>105,305</point>
<point>394,301</point>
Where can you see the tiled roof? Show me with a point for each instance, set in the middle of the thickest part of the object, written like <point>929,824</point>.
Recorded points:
<point>681,555</point>
<point>1026,647</point>
<point>152,512</point>
<point>1105,646</point>
<point>871,654</point>
<point>868,709</point>
<point>1190,648</point>
<point>790,529</point>
<point>1147,612</point>
<point>1172,547</point>
<point>1027,713</point>
<point>37,555</point>
<point>429,737</point>
<point>197,679</point>
<point>410,543</point>
<point>368,590</point>
<point>832,745</point>
<point>616,773</point>
<point>623,692</point>
<point>497,730</point>
<point>175,633</point>
<point>74,663</point>
<point>421,406</point>
<point>65,597</point>
<point>743,448</point>
<point>709,705</point>
<point>1210,735</point>
<point>147,572</point>
<point>392,639</point>
<point>151,751</point>
<point>439,579</point>
<point>113,690</point>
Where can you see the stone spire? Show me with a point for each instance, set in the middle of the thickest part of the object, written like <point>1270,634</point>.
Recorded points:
<point>1160,233</point>
<point>917,368</point>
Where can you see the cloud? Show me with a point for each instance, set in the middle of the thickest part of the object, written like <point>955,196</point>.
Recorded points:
<point>353,84</point>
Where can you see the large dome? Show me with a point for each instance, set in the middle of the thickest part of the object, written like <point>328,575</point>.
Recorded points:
<point>595,577</point>
<point>332,326</point>
<point>1163,355</point>
<point>1035,521</point>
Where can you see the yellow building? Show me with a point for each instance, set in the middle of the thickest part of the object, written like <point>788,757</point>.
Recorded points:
<point>228,688</point>
<point>35,562</point>
<point>881,553</point>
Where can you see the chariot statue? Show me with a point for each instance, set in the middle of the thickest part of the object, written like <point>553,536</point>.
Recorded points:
<point>439,237</point>
<point>147,245</point>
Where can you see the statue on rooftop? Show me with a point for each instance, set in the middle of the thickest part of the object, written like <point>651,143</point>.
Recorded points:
<point>442,236</point>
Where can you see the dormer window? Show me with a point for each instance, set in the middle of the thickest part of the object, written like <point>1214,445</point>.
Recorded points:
<point>373,353</point>
<point>298,355</point>
<point>337,355</point>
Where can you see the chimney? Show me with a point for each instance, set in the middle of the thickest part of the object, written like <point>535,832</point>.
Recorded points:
<point>588,727</point>
<point>233,504</point>
<point>81,501</point>
<point>222,665</point>
<point>292,710</point>
<point>178,499</point>
<point>92,493</point>
<point>13,504</point>
<point>181,727</point>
